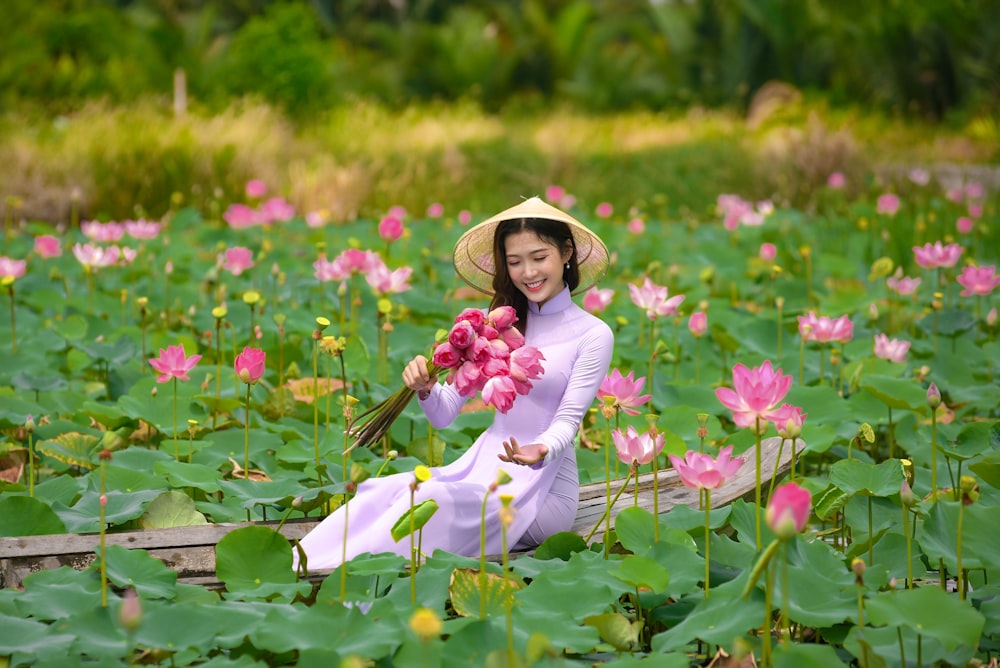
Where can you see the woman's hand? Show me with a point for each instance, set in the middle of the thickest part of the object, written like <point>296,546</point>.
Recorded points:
<point>523,454</point>
<point>416,377</point>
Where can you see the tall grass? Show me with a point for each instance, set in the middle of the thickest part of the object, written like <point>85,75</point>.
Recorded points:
<point>361,158</point>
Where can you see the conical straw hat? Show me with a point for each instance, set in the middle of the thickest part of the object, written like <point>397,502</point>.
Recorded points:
<point>473,256</point>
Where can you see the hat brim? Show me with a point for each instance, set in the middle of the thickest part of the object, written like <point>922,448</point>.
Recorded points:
<point>473,254</point>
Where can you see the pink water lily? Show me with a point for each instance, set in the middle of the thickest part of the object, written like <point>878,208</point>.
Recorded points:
<point>596,300</point>
<point>978,280</point>
<point>698,324</point>
<point>622,392</point>
<point>324,270</point>
<point>102,232</point>
<point>390,228</point>
<point>256,188</point>
<point>526,363</point>
<point>788,420</point>
<point>173,363</point>
<point>250,365</point>
<point>142,229</point>
<point>888,203</point>
<point>47,245</point>
<point>902,285</point>
<point>276,210</point>
<point>756,393</point>
<point>700,471</point>
<point>653,298</point>
<point>893,350</point>
<point>11,268</point>
<point>499,391</point>
<point>92,256</point>
<point>386,282</point>
<point>241,216</point>
<point>824,329</point>
<point>788,510</point>
<point>636,449</point>
<point>236,260</point>
<point>933,256</point>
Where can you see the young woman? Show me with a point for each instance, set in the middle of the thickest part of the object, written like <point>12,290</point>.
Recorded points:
<point>531,257</point>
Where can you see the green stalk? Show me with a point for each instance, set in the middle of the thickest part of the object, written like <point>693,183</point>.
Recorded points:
<point>607,489</point>
<point>413,547</point>
<point>960,576</point>
<point>13,326</point>
<point>757,499</point>
<point>708,542</point>
<point>934,483</point>
<point>246,439</point>
<point>607,513</point>
<point>177,454</point>
<point>103,528</point>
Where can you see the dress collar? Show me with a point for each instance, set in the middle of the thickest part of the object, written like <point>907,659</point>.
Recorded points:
<point>557,304</point>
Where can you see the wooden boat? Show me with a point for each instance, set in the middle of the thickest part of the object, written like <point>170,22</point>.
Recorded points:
<point>191,550</point>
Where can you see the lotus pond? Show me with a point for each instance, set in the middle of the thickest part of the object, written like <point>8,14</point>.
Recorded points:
<point>893,359</point>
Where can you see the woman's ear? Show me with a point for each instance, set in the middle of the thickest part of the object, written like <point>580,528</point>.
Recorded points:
<point>567,252</point>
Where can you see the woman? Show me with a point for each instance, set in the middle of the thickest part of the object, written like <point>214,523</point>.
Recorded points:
<point>532,257</point>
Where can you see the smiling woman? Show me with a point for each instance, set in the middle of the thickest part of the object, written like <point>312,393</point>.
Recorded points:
<point>530,257</point>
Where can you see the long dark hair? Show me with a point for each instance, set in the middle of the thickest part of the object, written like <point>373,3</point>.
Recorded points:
<point>555,232</point>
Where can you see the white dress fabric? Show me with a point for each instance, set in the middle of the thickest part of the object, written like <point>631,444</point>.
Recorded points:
<point>577,347</point>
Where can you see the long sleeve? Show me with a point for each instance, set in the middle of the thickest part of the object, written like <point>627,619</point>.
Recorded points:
<point>588,371</point>
<point>442,405</point>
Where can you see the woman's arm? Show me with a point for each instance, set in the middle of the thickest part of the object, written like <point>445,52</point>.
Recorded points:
<point>589,370</point>
<point>441,403</point>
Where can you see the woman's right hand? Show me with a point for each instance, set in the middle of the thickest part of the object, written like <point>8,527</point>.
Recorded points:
<point>416,377</point>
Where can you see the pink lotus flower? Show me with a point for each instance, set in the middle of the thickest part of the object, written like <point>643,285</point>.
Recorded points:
<point>975,210</point>
<point>974,190</point>
<point>499,391</point>
<point>653,298</point>
<point>11,268</point>
<point>738,211</point>
<point>316,219</point>
<point>387,282</point>
<point>502,317</point>
<point>698,324</point>
<point>893,350</point>
<point>435,210</point>
<point>622,392</point>
<point>836,180</point>
<point>554,193</point>
<point>127,256</point>
<point>636,449</point>
<point>902,285</point>
<point>94,257</point>
<point>464,217</point>
<point>526,363</point>
<point>596,300</point>
<point>636,226</point>
<point>325,270</point>
<point>173,363</point>
<point>699,471</point>
<point>919,176</point>
<point>788,420</point>
<point>755,395</point>
<point>964,225</point>
<point>256,188</point>
<point>47,245</point>
<point>236,260</point>
<point>824,329</point>
<point>277,210</point>
<point>991,317</point>
<point>250,365</point>
<point>355,261</point>
<point>604,210</point>
<point>767,252</point>
<point>446,356</point>
<point>390,228</point>
<point>788,510</point>
<point>102,232</point>
<point>978,280</point>
<point>241,216</point>
<point>888,204</point>
<point>933,256</point>
<point>142,229</point>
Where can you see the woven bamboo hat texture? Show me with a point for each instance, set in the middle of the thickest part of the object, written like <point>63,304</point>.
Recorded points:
<point>473,256</point>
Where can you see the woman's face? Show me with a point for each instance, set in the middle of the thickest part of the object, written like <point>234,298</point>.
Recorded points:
<point>535,266</point>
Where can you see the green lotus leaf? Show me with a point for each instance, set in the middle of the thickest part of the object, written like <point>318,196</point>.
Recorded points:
<point>901,393</point>
<point>171,509</point>
<point>930,612</point>
<point>642,572</point>
<point>27,516</point>
<point>616,629</point>
<point>854,476</point>
<point>149,576</point>
<point>467,588</point>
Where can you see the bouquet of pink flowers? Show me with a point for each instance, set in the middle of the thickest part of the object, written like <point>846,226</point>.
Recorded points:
<point>484,353</point>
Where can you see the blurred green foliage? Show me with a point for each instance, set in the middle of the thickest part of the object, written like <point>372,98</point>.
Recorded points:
<point>922,58</point>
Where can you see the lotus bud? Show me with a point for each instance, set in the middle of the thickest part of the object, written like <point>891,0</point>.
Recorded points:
<point>858,568</point>
<point>130,612</point>
<point>906,495</point>
<point>933,396</point>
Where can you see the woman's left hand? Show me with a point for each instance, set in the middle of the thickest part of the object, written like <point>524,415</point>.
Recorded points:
<point>523,454</point>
